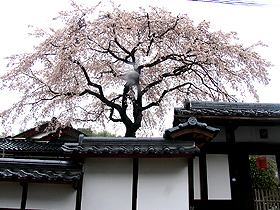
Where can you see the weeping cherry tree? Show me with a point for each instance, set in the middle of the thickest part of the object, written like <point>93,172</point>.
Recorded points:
<point>128,67</point>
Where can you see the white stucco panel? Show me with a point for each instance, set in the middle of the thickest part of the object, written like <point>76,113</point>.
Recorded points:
<point>10,195</point>
<point>252,134</point>
<point>51,196</point>
<point>107,184</point>
<point>218,177</point>
<point>163,184</point>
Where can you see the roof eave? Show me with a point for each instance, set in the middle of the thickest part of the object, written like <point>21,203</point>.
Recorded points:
<point>222,119</point>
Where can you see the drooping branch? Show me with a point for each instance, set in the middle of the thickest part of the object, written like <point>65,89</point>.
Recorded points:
<point>100,94</point>
<point>34,77</point>
<point>211,90</point>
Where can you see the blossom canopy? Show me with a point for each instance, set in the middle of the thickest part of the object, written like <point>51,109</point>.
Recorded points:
<point>78,71</point>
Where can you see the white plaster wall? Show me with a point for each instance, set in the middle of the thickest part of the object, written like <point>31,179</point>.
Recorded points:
<point>197,193</point>
<point>163,184</point>
<point>10,195</point>
<point>251,134</point>
<point>218,177</point>
<point>51,196</point>
<point>107,184</point>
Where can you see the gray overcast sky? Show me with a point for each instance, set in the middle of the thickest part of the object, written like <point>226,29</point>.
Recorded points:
<point>252,23</point>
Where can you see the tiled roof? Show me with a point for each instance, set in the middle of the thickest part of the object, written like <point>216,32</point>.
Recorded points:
<point>229,109</point>
<point>103,146</point>
<point>170,144</point>
<point>39,170</point>
<point>17,145</point>
<point>50,131</point>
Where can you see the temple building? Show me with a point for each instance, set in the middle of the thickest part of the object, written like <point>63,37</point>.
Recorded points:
<point>201,162</point>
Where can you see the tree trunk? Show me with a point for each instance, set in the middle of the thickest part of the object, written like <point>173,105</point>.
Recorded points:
<point>130,132</point>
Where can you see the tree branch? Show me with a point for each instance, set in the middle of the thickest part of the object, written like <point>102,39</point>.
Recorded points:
<point>169,29</point>
<point>176,72</point>
<point>121,109</point>
<point>150,36</point>
<point>84,71</point>
<point>33,76</point>
<point>112,118</point>
<point>156,103</point>
<point>164,58</point>
<point>122,47</point>
<point>118,58</point>
<point>129,54</point>
<point>43,99</point>
<point>214,83</point>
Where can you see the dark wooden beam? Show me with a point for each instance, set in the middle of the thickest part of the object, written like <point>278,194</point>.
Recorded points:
<point>221,120</point>
<point>36,181</point>
<point>135,183</point>
<point>106,155</point>
<point>24,194</point>
<point>79,189</point>
<point>191,183</point>
<point>203,177</point>
<point>213,204</point>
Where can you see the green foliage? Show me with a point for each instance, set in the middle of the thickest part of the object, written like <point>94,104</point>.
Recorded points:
<point>41,122</point>
<point>263,179</point>
<point>92,133</point>
<point>3,134</point>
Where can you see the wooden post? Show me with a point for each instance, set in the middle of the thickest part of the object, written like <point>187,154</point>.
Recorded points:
<point>135,183</point>
<point>203,179</point>
<point>24,194</point>
<point>191,183</point>
<point>79,189</point>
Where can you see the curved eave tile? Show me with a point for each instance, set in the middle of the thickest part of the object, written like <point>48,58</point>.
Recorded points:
<point>36,175</point>
<point>130,151</point>
<point>40,170</point>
